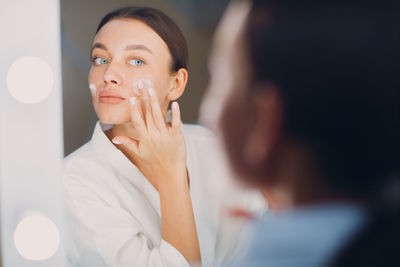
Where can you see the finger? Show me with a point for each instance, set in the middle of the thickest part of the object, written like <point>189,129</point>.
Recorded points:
<point>176,117</point>
<point>137,87</point>
<point>156,110</point>
<point>139,107</point>
<point>136,119</point>
<point>148,117</point>
<point>130,143</point>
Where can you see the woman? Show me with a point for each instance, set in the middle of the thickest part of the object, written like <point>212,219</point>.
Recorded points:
<point>142,192</point>
<point>311,117</point>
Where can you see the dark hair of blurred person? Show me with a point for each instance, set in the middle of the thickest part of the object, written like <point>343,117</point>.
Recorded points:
<point>312,119</point>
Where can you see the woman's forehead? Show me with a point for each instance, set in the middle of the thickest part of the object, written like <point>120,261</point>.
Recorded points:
<point>120,33</point>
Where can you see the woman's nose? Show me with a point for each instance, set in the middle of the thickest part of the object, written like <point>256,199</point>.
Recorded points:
<point>112,75</point>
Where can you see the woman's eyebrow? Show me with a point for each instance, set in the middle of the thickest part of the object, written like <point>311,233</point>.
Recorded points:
<point>138,47</point>
<point>99,45</point>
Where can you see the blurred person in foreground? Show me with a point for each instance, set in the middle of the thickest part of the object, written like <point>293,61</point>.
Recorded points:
<point>305,96</point>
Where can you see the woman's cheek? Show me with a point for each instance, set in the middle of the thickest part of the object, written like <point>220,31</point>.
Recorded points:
<point>93,80</point>
<point>92,89</point>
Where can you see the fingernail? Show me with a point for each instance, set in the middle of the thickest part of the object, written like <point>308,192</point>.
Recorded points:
<point>174,105</point>
<point>150,90</point>
<point>117,142</point>
<point>132,100</point>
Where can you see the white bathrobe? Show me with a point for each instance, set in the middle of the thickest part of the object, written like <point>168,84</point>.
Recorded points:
<point>113,211</point>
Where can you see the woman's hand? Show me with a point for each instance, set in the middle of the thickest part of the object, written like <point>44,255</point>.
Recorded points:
<point>160,149</point>
<point>161,152</point>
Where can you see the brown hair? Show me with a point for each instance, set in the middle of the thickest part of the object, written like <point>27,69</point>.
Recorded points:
<point>164,26</point>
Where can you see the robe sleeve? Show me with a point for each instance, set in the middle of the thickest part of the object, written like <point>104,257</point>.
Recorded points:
<point>104,235</point>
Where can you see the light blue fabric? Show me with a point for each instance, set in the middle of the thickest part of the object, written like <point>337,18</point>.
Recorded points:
<point>301,237</point>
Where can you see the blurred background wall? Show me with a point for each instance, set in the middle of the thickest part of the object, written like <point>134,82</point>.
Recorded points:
<point>79,20</point>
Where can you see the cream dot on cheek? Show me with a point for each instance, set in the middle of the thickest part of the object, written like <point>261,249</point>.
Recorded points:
<point>92,88</point>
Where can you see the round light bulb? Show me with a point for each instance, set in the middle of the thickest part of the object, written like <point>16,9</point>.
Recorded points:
<point>36,237</point>
<point>30,79</point>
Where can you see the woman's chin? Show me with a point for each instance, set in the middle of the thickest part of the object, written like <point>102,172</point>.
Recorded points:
<point>113,119</point>
<point>112,114</point>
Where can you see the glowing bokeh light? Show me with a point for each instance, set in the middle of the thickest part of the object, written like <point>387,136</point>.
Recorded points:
<point>30,79</point>
<point>36,237</point>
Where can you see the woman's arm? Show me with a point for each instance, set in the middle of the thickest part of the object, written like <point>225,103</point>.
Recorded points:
<point>177,218</point>
<point>103,233</point>
<point>160,152</point>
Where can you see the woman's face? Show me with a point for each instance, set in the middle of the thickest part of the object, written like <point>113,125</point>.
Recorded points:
<point>123,52</point>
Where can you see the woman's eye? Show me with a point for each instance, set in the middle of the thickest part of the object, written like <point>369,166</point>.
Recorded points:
<point>136,62</point>
<point>100,61</point>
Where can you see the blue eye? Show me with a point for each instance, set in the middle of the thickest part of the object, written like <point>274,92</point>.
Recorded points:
<point>136,62</point>
<point>100,61</point>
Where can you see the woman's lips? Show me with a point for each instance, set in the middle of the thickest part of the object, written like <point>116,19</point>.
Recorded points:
<point>110,100</point>
<point>110,97</point>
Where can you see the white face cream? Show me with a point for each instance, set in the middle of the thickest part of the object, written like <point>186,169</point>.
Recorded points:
<point>142,84</point>
<point>92,88</point>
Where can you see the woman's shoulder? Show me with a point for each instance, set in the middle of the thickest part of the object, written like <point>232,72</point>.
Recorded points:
<point>82,160</point>
<point>86,174</point>
<point>83,152</point>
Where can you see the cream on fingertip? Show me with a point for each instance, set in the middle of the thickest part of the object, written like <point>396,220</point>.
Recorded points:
<point>174,105</point>
<point>140,84</point>
<point>136,89</point>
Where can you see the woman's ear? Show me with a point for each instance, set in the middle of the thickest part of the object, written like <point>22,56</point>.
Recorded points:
<point>178,84</point>
<point>265,134</point>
